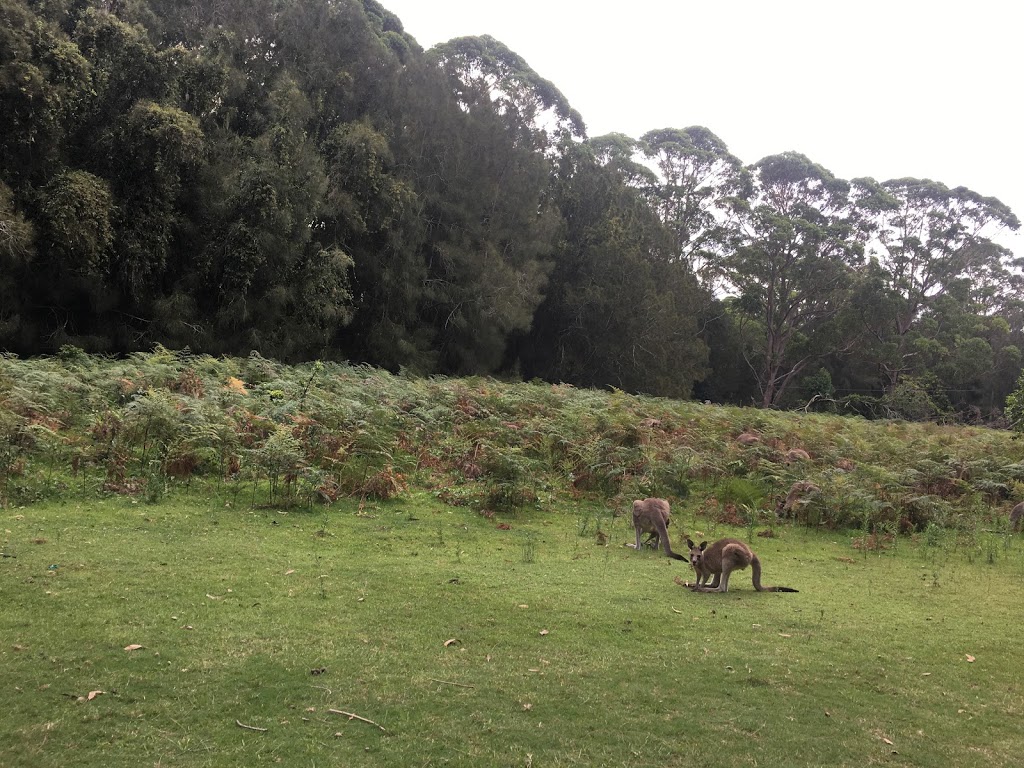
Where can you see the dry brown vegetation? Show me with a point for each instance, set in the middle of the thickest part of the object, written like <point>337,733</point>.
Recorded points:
<point>308,435</point>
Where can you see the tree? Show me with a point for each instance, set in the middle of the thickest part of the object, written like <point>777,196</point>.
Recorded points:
<point>17,250</point>
<point>44,81</point>
<point>149,151</point>
<point>1015,406</point>
<point>77,213</point>
<point>618,310</point>
<point>931,243</point>
<point>620,153</point>
<point>478,162</point>
<point>699,185</point>
<point>373,214</point>
<point>278,281</point>
<point>483,70</point>
<point>793,272</point>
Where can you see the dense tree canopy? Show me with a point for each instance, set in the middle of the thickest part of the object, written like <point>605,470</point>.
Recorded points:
<point>301,178</point>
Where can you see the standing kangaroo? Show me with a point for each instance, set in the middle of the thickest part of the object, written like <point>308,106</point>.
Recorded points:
<point>652,516</point>
<point>722,558</point>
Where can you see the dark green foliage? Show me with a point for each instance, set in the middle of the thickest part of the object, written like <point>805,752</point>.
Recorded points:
<point>1015,406</point>
<point>301,178</point>
<point>619,309</point>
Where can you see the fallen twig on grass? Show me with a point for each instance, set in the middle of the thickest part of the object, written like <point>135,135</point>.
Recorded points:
<point>240,724</point>
<point>449,682</point>
<point>352,716</point>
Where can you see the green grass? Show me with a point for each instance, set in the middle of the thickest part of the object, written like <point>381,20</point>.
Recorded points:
<point>565,652</point>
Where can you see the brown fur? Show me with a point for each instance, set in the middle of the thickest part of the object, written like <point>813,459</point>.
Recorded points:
<point>798,493</point>
<point>653,516</point>
<point>1017,516</point>
<point>720,560</point>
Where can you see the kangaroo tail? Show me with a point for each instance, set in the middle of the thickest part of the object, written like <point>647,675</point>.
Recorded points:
<point>755,572</point>
<point>755,569</point>
<point>667,545</point>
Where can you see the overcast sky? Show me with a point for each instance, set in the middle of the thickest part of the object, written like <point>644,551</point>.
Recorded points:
<point>874,88</point>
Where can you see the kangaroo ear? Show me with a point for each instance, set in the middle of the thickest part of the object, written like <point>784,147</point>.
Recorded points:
<point>703,546</point>
<point>690,544</point>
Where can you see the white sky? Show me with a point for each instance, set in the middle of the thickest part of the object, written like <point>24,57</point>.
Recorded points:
<point>882,88</point>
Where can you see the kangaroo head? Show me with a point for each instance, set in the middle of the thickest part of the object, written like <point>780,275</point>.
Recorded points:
<point>696,553</point>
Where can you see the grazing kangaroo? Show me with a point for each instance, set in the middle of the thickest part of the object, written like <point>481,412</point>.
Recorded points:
<point>722,558</point>
<point>1017,517</point>
<point>652,516</point>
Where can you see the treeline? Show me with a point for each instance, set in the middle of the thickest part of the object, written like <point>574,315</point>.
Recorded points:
<point>301,178</point>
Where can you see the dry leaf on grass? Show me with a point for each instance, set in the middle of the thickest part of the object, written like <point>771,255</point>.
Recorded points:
<point>544,632</point>
<point>93,694</point>
<point>969,657</point>
<point>133,647</point>
<point>451,642</point>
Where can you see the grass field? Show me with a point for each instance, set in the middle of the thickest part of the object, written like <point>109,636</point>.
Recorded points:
<point>517,640</point>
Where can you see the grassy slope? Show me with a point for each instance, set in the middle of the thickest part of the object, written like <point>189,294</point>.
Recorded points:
<point>235,607</point>
<point>236,601</point>
<point>84,427</point>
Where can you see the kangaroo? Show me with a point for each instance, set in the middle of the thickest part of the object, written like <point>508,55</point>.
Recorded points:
<point>652,516</point>
<point>1017,517</point>
<point>722,558</point>
<point>799,494</point>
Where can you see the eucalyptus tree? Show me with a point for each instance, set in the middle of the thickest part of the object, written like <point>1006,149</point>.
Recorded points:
<point>794,269</point>
<point>483,70</point>
<point>933,250</point>
<point>697,194</point>
<point>622,154</point>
